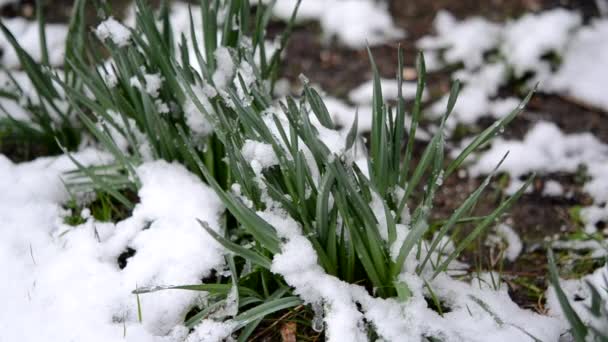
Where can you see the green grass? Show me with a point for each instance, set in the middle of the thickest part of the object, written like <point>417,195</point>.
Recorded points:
<point>333,210</point>
<point>595,330</point>
<point>51,124</point>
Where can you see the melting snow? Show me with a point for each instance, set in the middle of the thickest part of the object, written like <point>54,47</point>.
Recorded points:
<point>113,30</point>
<point>67,278</point>
<point>584,69</point>
<point>356,23</point>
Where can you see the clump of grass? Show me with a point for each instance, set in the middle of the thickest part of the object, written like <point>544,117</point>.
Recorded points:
<point>358,223</point>
<point>52,122</point>
<point>347,233</point>
<point>123,112</point>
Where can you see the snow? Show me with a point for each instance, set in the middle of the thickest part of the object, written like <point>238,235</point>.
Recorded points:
<point>199,121</point>
<point>514,244</point>
<point>70,273</point>
<point>568,57</point>
<point>259,155</point>
<point>585,66</point>
<point>113,30</point>
<point>11,108</point>
<point>117,121</point>
<point>528,38</point>
<point>466,321</point>
<point>55,268</point>
<point>152,84</point>
<point>465,41</point>
<point>362,94</point>
<point>520,47</point>
<point>26,33</point>
<point>359,23</point>
<point>162,107</point>
<point>546,149</point>
<point>553,189</point>
<point>474,100</point>
<point>109,79</point>
<point>579,296</point>
<point>225,68</point>
<point>343,115</point>
<point>355,23</point>
<point>211,331</point>
<point>596,249</point>
<point>594,214</point>
<point>522,42</point>
<point>245,72</point>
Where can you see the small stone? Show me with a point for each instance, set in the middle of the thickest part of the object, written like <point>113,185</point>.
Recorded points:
<point>409,74</point>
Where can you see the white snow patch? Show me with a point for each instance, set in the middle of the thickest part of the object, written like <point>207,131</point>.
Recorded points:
<point>245,71</point>
<point>225,68</point>
<point>464,41</point>
<point>596,249</point>
<point>71,273</point>
<point>211,331</point>
<point>260,155</point>
<point>553,189</point>
<point>113,30</point>
<point>152,84</point>
<point>343,115</point>
<point>528,38</point>
<point>514,244</point>
<point>584,70</point>
<point>356,23</point>
<point>592,215</point>
<point>403,321</point>
<point>474,100</point>
<point>362,94</point>
<point>524,46</point>
<point>199,122</point>
<point>27,35</point>
<point>546,149</point>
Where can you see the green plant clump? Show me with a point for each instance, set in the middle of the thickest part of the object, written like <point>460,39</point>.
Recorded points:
<point>358,219</point>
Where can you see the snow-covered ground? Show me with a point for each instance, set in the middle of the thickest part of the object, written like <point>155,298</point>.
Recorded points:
<point>520,47</point>
<point>67,278</point>
<point>68,281</point>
